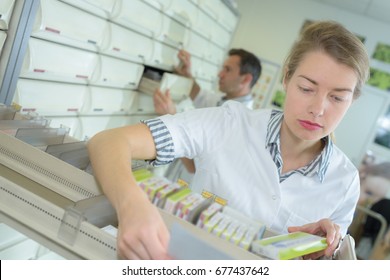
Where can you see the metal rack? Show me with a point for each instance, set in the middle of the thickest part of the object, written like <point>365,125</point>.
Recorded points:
<point>62,207</point>
<point>362,212</point>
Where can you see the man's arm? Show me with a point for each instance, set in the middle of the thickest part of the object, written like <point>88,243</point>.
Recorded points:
<point>142,233</point>
<point>184,69</point>
<point>163,103</point>
<point>189,164</point>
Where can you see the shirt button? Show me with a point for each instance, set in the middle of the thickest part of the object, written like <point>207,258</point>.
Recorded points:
<point>274,197</point>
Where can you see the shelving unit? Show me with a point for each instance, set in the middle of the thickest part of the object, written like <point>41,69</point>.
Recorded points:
<point>80,59</point>
<point>76,65</point>
<point>62,207</point>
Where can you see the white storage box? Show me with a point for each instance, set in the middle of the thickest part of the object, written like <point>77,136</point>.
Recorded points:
<point>6,8</point>
<point>179,87</point>
<point>60,22</point>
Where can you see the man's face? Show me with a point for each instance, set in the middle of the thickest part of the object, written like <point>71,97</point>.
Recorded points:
<point>230,80</point>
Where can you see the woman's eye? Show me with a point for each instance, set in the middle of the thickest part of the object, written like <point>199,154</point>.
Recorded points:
<point>338,99</point>
<point>304,89</point>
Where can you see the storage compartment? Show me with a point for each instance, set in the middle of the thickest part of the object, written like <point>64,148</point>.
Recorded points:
<point>226,17</point>
<point>139,16</point>
<point>197,45</point>
<point>220,36</point>
<point>174,33</point>
<point>60,22</point>
<point>179,87</point>
<point>127,44</point>
<point>204,24</point>
<point>164,56</point>
<point>106,101</point>
<point>51,61</point>
<point>183,11</point>
<point>196,67</point>
<point>145,104</point>
<point>220,12</point>
<point>117,73</point>
<point>6,8</point>
<point>210,71</point>
<point>215,54</point>
<point>49,98</point>
<point>102,8</point>
<point>94,124</point>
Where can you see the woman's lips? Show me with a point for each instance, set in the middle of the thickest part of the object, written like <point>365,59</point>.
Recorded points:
<point>309,125</point>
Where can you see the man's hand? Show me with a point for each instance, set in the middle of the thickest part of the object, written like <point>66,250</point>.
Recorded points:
<point>163,103</point>
<point>324,227</point>
<point>184,67</point>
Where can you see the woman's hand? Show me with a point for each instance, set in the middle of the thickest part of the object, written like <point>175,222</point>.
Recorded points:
<point>326,228</point>
<point>142,233</point>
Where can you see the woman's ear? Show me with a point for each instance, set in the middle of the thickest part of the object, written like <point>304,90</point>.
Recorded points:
<point>284,79</point>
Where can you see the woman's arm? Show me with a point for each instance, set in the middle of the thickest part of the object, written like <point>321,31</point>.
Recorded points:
<point>141,231</point>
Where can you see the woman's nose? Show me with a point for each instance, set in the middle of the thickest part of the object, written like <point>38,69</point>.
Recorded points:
<point>317,107</point>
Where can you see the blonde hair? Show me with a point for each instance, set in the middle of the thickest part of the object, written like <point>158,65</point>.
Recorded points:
<point>336,41</point>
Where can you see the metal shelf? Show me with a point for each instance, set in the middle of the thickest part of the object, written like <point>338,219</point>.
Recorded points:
<point>63,208</point>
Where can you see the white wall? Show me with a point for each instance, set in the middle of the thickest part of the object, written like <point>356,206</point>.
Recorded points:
<point>269,27</point>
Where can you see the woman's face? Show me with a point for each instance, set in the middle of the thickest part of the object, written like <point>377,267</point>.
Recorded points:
<point>318,95</point>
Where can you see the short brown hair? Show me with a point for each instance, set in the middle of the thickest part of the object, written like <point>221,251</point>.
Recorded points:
<point>249,64</point>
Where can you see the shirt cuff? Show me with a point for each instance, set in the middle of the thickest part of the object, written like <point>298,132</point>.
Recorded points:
<point>165,152</point>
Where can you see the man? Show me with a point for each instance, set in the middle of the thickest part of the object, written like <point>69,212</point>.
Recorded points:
<point>240,71</point>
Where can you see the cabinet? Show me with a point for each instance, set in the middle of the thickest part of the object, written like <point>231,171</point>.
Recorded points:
<point>78,65</point>
<point>81,52</point>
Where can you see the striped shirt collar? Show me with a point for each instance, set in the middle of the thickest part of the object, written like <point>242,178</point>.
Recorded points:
<point>318,166</point>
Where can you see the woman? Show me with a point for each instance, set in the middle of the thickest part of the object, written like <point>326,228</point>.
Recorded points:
<point>280,168</point>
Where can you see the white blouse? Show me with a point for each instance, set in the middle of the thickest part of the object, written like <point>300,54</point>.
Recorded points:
<point>229,143</point>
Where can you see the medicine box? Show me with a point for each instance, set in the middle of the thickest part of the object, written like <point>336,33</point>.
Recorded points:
<point>289,246</point>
